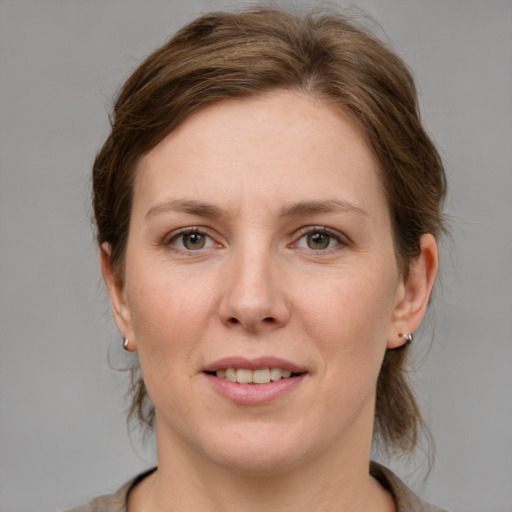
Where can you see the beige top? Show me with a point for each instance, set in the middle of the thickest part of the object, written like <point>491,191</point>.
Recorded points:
<point>405,499</point>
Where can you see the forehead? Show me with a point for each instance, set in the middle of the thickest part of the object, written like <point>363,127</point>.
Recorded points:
<point>282,146</point>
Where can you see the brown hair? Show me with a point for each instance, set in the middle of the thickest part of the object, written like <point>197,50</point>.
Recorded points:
<point>220,56</point>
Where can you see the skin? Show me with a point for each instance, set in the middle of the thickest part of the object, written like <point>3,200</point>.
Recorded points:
<point>255,177</point>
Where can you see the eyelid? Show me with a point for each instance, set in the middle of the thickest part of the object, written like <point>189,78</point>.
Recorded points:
<point>342,239</point>
<point>177,233</point>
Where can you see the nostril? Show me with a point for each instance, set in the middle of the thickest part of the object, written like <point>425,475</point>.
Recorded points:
<point>234,321</point>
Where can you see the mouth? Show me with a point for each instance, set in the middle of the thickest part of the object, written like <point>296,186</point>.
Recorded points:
<point>257,376</point>
<point>262,370</point>
<point>254,382</point>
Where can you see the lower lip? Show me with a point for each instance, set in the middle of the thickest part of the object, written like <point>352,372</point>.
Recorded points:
<point>254,394</point>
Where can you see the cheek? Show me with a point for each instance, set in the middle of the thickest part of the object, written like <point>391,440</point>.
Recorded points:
<point>169,317</point>
<point>346,321</point>
<point>351,313</point>
<point>169,313</point>
<point>349,322</point>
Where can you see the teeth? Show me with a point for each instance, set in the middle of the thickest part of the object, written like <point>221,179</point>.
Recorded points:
<point>245,376</point>
<point>261,376</point>
<point>230,374</point>
<point>275,373</point>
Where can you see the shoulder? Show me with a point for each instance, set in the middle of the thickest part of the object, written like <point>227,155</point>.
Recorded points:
<point>113,502</point>
<point>406,500</point>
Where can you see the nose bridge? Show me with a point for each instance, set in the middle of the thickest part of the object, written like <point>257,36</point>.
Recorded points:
<point>253,295</point>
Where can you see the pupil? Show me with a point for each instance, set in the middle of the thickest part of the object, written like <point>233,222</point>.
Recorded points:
<point>194,241</point>
<point>318,241</point>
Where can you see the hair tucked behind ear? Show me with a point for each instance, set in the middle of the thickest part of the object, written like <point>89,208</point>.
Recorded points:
<point>224,56</point>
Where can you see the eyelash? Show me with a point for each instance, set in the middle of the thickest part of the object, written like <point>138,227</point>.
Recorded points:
<point>321,230</point>
<point>210,242</point>
<point>174,237</point>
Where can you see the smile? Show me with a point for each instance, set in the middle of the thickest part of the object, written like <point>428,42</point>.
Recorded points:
<point>248,376</point>
<point>254,382</point>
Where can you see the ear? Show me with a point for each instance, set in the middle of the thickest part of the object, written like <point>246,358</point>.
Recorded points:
<point>413,294</point>
<point>116,291</point>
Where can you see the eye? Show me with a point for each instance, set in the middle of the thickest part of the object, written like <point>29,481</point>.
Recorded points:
<point>191,240</point>
<point>318,239</point>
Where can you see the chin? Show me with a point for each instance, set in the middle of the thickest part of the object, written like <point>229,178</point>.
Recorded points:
<point>252,452</point>
<point>258,463</point>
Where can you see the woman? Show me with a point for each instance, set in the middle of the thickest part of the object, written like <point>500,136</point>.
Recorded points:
<point>268,208</point>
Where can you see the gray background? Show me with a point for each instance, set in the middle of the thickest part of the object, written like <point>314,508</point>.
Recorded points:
<point>63,436</point>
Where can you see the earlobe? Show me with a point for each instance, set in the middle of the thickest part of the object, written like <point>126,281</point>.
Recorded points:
<point>116,291</point>
<point>415,290</point>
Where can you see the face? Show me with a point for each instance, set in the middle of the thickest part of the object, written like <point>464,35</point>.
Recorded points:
<point>261,287</point>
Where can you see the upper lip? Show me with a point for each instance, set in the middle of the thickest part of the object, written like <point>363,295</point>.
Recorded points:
<point>253,364</point>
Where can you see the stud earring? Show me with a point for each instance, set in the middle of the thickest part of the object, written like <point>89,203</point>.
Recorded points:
<point>126,344</point>
<point>408,338</point>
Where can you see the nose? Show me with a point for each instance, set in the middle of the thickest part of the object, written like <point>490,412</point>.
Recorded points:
<point>254,296</point>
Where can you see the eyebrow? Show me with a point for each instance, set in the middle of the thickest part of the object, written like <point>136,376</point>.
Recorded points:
<point>302,208</point>
<point>190,206</point>
<point>311,207</point>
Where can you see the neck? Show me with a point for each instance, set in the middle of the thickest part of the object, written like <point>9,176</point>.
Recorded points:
<point>330,482</point>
